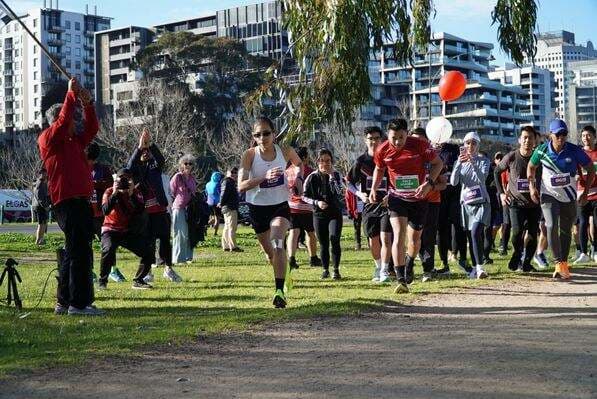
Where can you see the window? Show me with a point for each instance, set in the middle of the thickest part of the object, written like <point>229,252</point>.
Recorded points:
<point>34,49</point>
<point>77,26</point>
<point>35,23</point>
<point>35,62</point>
<point>77,64</point>
<point>16,53</point>
<point>35,88</point>
<point>67,24</point>
<point>78,51</point>
<point>67,37</point>
<point>35,102</point>
<point>68,63</point>
<point>67,50</point>
<point>34,75</point>
<point>78,39</point>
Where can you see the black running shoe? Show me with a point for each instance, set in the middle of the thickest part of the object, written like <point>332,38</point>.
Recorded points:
<point>315,262</point>
<point>292,263</point>
<point>409,274</point>
<point>444,271</point>
<point>279,299</point>
<point>514,264</point>
<point>325,274</point>
<point>336,275</point>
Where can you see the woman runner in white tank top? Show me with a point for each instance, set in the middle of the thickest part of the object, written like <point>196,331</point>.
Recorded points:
<point>262,177</point>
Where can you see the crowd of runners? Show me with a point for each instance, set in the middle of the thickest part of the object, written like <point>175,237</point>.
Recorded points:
<point>410,194</point>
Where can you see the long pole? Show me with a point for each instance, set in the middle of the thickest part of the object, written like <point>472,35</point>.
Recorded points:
<point>36,40</point>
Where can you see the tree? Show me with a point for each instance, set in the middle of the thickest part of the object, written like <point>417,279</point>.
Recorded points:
<point>332,45</point>
<point>20,162</point>
<point>165,110</point>
<point>235,140</point>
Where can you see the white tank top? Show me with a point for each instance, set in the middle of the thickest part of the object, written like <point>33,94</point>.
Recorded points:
<point>272,191</point>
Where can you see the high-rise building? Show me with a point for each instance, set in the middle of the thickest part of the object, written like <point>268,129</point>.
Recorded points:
<point>554,51</point>
<point>492,109</point>
<point>537,82</point>
<point>582,96</point>
<point>27,73</point>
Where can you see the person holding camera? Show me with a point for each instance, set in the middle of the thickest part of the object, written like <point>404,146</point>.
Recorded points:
<point>123,207</point>
<point>146,165</point>
<point>62,150</point>
<point>182,185</point>
<point>40,204</point>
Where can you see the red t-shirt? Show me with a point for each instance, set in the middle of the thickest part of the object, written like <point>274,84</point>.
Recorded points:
<point>406,165</point>
<point>119,217</point>
<point>592,194</point>
<point>296,204</point>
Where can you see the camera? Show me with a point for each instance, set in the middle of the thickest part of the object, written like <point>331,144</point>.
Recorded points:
<point>123,183</point>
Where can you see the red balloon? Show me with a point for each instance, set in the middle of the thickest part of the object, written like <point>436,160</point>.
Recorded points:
<point>452,85</point>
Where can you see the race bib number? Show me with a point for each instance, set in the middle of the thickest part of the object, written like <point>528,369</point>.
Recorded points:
<point>151,202</point>
<point>94,197</point>
<point>383,186</point>
<point>522,185</point>
<point>407,184</point>
<point>560,180</point>
<point>473,195</point>
<point>275,182</point>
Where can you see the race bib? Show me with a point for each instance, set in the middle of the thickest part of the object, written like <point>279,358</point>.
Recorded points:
<point>560,180</point>
<point>473,195</point>
<point>522,185</point>
<point>383,186</point>
<point>151,202</point>
<point>275,182</point>
<point>407,184</point>
<point>94,197</point>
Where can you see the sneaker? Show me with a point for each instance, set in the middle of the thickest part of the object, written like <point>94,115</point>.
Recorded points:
<point>325,274</point>
<point>427,276</point>
<point>376,274</point>
<point>292,263</point>
<point>237,249</point>
<point>528,269</point>
<point>171,275</point>
<point>226,249</point>
<point>443,272</point>
<point>583,258</point>
<point>464,267</point>
<point>452,258</point>
<point>60,309</point>
<point>562,271</point>
<point>514,264</point>
<point>86,311</point>
<point>149,278</point>
<point>401,288</point>
<point>577,254</point>
<point>384,277</point>
<point>336,275</point>
<point>279,299</point>
<point>409,274</point>
<point>315,262</point>
<point>102,286</point>
<point>141,285</point>
<point>117,276</point>
<point>472,274</point>
<point>540,261</point>
<point>481,274</point>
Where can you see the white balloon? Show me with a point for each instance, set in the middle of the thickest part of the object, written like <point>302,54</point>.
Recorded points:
<point>439,130</point>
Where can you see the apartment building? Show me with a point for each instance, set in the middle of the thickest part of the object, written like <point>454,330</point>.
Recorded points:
<point>582,104</point>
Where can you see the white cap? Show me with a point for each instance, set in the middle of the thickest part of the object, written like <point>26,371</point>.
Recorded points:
<point>472,136</point>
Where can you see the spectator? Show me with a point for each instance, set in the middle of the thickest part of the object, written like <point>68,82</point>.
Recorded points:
<point>213,198</point>
<point>123,205</point>
<point>183,186</point>
<point>229,207</point>
<point>41,206</point>
<point>102,179</point>
<point>62,151</point>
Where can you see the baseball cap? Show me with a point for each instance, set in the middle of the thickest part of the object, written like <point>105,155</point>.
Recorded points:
<point>558,126</point>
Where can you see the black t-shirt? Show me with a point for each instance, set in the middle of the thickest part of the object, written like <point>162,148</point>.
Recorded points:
<point>361,175</point>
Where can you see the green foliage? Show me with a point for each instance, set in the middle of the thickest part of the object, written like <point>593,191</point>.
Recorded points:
<point>516,21</point>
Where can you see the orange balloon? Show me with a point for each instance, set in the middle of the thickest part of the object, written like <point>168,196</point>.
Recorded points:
<point>452,85</point>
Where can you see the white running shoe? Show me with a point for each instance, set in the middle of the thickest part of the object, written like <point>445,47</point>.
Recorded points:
<point>148,278</point>
<point>376,273</point>
<point>540,261</point>
<point>577,255</point>
<point>384,277</point>
<point>170,274</point>
<point>481,274</point>
<point>583,258</point>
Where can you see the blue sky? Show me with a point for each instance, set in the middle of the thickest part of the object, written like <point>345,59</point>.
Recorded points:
<point>469,19</point>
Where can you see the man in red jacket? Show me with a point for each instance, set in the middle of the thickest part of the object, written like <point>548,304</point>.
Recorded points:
<point>62,150</point>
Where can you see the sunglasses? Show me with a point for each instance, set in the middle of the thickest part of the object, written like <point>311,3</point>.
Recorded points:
<point>265,133</point>
<point>188,163</point>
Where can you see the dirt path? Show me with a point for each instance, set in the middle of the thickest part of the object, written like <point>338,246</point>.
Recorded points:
<point>529,338</point>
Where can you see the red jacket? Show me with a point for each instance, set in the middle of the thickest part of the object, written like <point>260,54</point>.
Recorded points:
<point>69,174</point>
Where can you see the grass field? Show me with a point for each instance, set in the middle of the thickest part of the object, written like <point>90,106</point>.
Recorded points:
<point>220,292</point>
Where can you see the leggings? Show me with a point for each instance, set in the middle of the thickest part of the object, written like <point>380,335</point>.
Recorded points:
<point>559,218</point>
<point>476,236</point>
<point>356,222</point>
<point>328,229</point>
<point>588,210</point>
<point>449,215</point>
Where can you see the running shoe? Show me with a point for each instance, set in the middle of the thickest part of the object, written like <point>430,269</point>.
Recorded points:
<point>116,276</point>
<point>279,299</point>
<point>102,286</point>
<point>528,269</point>
<point>141,285</point>
<point>464,267</point>
<point>171,275</point>
<point>472,274</point>
<point>401,288</point>
<point>541,261</point>
<point>60,309</point>
<point>562,271</point>
<point>86,311</point>
<point>325,274</point>
<point>237,249</point>
<point>409,274</point>
<point>443,272</point>
<point>315,262</point>
<point>583,258</point>
<point>149,278</point>
<point>427,276</point>
<point>577,255</point>
<point>384,277</point>
<point>292,263</point>
<point>481,273</point>
<point>376,274</point>
<point>336,275</point>
<point>514,264</point>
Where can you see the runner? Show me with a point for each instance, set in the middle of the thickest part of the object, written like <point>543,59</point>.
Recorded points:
<point>376,219</point>
<point>471,170</point>
<point>427,251</point>
<point>262,178</point>
<point>590,208</point>
<point>559,160</point>
<point>301,215</point>
<point>404,157</point>
<point>324,190</point>
<point>524,213</point>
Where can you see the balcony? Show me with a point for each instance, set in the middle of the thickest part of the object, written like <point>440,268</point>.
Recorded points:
<point>9,111</point>
<point>57,55</point>
<point>489,97</point>
<point>89,60</point>
<point>9,124</point>
<point>8,47</point>
<point>9,85</point>
<point>491,124</point>
<point>89,72</point>
<point>55,42</point>
<point>89,33</point>
<point>7,59</point>
<point>8,72</point>
<point>55,29</point>
<point>506,100</point>
<point>88,47</point>
<point>454,49</point>
<point>8,98</point>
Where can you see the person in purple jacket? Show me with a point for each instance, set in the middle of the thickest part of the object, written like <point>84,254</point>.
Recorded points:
<point>183,186</point>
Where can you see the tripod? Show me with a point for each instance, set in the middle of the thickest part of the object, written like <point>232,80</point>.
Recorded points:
<point>13,277</point>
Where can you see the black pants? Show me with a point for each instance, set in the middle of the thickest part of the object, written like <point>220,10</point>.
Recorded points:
<point>328,230</point>
<point>588,210</point>
<point>427,251</point>
<point>356,222</point>
<point>137,244</point>
<point>75,280</point>
<point>159,227</point>
<point>449,215</point>
<point>476,243</point>
<point>524,220</point>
